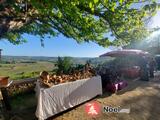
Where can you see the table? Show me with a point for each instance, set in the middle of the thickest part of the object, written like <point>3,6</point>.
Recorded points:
<point>61,97</point>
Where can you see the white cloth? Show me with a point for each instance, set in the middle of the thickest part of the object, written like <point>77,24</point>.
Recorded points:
<point>64,96</point>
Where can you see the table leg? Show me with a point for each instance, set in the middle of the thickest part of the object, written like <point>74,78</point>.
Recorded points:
<point>6,98</point>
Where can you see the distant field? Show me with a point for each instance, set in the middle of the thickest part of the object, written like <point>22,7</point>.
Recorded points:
<point>25,70</point>
<point>19,67</point>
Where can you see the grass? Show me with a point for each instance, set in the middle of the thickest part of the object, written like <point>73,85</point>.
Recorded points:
<point>23,107</point>
<point>24,70</point>
<point>23,101</point>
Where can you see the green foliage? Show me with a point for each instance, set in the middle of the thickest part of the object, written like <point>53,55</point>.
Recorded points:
<point>83,20</point>
<point>5,62</point>
<point>23,75</point>
<point>79,67</point>
<point>64,65</point>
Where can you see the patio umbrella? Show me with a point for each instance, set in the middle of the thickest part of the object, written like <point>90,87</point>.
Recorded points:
<point>126,52</point>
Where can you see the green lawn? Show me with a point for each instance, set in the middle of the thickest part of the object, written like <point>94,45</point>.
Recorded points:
<point>24,101</point>
<point>23,108</point>
<point>24,70</point>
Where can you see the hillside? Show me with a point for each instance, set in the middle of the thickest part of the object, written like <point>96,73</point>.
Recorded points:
<point>75,60</point>
<point>19,67</point>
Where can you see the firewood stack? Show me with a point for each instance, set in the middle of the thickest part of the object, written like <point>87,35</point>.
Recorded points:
<point>49,80</point>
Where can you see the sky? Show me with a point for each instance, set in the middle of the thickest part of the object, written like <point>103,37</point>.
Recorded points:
<point>156,20</point>
<point>58,46</point>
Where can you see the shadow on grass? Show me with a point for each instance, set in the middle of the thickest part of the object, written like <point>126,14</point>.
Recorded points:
<point>23,107</point>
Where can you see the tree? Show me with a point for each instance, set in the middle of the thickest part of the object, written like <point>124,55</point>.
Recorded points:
<point>83,20</point>
<point>64,65</point>
<point>150,44</point>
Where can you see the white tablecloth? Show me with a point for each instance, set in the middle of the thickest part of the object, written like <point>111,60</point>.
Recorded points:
<point>63,96</point>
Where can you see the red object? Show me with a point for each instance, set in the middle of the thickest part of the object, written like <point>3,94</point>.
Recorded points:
<point>113,87</point>
<point>122,84</point>
<point>4,80</point>
<point>93,109</point>
<point>133,72</point>
<point>125,52</point>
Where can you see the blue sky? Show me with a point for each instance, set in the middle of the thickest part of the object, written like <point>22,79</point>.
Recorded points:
<point>58,46</point>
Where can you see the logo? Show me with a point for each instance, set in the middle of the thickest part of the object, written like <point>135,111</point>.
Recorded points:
<point>93,109</point>
<point>108,109</point>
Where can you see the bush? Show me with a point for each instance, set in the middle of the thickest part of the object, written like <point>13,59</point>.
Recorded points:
<point>64,65</point>
<point>5,62</point>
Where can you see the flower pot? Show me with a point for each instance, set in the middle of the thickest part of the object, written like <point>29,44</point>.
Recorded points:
<point>4,80</point>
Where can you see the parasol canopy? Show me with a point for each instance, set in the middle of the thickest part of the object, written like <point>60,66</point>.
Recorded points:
<point>126,52</point>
